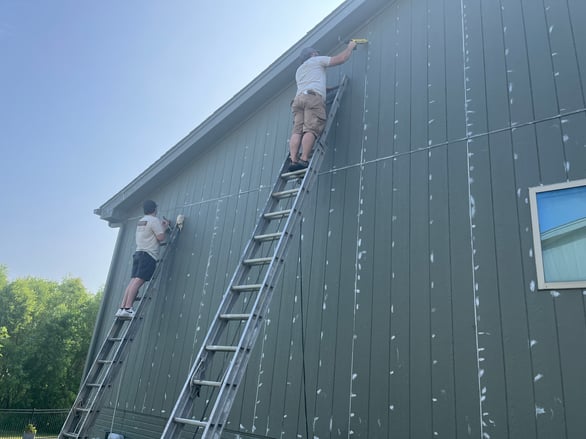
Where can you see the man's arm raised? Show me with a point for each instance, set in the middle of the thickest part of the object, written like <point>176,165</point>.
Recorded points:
<point>343,56</point>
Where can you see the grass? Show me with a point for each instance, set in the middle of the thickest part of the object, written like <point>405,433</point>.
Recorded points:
<point>19,436</point>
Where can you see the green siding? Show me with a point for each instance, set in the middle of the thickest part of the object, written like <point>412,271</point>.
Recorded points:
<point>414,311</point>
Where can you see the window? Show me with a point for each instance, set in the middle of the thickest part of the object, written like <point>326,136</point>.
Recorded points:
<point>558,216</point>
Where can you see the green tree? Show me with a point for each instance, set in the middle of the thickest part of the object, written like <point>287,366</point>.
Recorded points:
<point>3,329</point>
<point>3,336</point>
<point>3,276</point>
<point>48,330</point>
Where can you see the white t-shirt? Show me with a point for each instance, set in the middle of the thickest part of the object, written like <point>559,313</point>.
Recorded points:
<point>147,229</point>
<point>311,75</point>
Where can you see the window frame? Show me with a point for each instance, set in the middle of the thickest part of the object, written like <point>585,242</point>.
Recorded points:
<point>537,250</point>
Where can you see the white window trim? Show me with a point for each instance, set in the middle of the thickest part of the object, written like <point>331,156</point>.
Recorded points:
<point>533,191</point>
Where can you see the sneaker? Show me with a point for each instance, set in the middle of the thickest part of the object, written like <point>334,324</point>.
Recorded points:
<point>125,314</point>
<point>297,166</point>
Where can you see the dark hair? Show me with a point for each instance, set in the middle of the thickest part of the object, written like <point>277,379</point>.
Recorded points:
<point>307,53</point>
<point>149,206</point>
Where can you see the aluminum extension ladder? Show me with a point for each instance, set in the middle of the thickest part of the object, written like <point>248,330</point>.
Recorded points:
<point>110,357</point>
<point>220,365</point>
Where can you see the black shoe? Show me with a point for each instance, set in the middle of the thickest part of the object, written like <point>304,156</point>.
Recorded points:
<point>297,166</point>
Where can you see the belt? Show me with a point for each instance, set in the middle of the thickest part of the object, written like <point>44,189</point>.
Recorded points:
<point>311,92</point>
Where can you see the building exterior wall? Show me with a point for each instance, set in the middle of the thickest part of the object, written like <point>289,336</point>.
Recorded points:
<point>414,312</point>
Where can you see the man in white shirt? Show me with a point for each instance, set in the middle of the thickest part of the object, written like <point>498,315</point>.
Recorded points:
<point>150,232</point>
<point>309,105</point>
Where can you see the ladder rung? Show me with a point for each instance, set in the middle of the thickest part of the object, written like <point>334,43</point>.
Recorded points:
<point>268,237</point>
<point>234,316</point>
<point>285,194</point>
<point>278,214</point>
<point>106,365</point>
<point>294,174</point>
<point>190,422</point>
<point>206,383</point>
<point>257,261</point>
<point>221,348</point>
<point>220,331</point>
<point>253,287</point>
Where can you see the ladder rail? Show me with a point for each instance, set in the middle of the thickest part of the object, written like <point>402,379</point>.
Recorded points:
<point>232,376</point>
<point>89,380</point>
<point>109,357</point>
<point>261,225</point>
<point>215,332</point>
<point>281,248</point>
<point>291,220</point>
<point>250,333</point>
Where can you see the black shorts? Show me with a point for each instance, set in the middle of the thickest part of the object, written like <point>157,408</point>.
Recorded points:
<point>143,266</point>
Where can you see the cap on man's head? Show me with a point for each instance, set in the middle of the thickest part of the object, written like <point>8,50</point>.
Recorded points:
<point>307,53</point>
<point>149,206</point>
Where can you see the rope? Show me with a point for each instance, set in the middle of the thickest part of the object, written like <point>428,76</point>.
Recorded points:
<point>117,398</point>
<point>302,332</point>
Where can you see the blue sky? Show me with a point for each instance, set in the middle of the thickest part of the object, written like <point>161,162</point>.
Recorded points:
<point>93,92</point>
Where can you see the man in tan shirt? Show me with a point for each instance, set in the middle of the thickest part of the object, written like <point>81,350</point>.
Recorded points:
<point>150,232</point>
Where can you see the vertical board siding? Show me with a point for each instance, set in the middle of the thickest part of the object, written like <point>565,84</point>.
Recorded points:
<point>517,64</point>
<point>494,50</point>
<point>515,349</point>
<point>441,300</point>
<point>465,368</point>
<point>540,63</point>
<point>419,298</point>
<point>418,119</point>
<point>486,293</point>
<point>436,73</point>
<point>380,331</point>
<point>408,306</point>
<point>475,73</point>
<point>564,58</point>
<point>456,94</point>
<point>577,10</point>
<point>399,291</point>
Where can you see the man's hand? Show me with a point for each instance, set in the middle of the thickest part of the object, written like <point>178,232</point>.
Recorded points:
<point>343,56</point>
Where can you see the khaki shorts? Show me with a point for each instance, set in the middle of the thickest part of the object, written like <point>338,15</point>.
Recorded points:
<point>309,114</point>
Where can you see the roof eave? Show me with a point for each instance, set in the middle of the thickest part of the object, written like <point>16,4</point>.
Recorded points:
<point>328,34</point>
